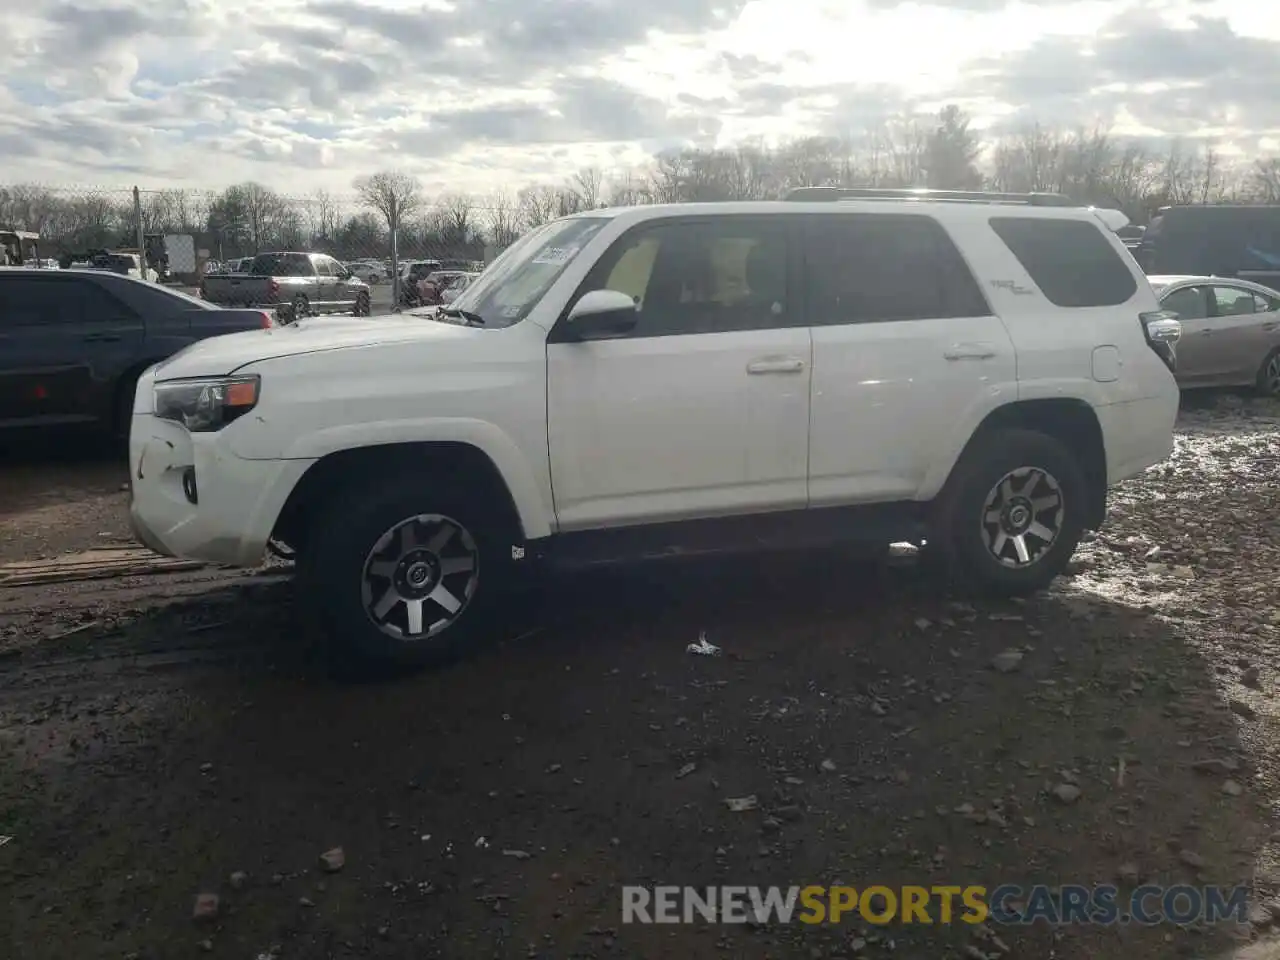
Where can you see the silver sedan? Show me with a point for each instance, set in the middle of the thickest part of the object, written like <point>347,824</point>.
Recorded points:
<point>1230,331</point>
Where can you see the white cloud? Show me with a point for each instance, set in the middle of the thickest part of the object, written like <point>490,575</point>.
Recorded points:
<point>308,93</point>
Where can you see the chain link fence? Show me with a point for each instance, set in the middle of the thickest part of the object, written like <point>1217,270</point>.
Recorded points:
<point>184,234</point>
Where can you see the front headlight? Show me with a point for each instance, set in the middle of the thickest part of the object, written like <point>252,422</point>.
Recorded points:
<point>206,404</point>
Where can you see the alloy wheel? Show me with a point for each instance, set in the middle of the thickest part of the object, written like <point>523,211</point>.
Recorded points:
<point>1022,517</point>
<point>420,577</point>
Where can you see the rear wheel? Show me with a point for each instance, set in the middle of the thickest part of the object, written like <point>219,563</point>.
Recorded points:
<point>408,578</point>
<point>1269,375</point>
<point>1013,512</point>
<point>300,307</point>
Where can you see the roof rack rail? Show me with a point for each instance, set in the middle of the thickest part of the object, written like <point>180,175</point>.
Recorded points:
<point>828,194</point>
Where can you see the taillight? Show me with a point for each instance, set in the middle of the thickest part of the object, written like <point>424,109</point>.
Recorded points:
<point>1163,330</point>
<point>274,286</point>
<point>267,322</point>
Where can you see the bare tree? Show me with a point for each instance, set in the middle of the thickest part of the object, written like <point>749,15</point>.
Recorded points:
<point>627,190</point>
<point>264,210</point>
<point>456,220</point>
<point>325,216</point>
<point>588,184</point>
<point>1264,180</point>
<point>503,224</point>
<point>538,204</point>
<point>395,195</point>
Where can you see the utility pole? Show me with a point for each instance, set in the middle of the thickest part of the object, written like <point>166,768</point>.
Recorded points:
<point>393,222</point>
<point>142,237</point>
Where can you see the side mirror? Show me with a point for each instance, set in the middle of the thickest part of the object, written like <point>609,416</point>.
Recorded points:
<point>601,314</point>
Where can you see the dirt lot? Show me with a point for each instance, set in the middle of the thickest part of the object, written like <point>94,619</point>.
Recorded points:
<point>164,735</point>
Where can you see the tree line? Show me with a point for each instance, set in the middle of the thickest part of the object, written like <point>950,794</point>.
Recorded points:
<point>943,152</point>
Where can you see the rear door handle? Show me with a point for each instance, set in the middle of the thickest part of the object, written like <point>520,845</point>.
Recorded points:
<point>970,351</point>
<point>102,338</point>
<point>776,365</point>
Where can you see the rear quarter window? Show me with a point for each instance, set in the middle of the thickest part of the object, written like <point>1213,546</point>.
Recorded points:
<point>282,265</point>
<point>1071,261</point>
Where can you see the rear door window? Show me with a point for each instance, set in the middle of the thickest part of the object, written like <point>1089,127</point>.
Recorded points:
<point>36,302</point>
<point>1071,261</point>
<point>868,268</point>
<point>1188,302</point>
<point>1233,301</point>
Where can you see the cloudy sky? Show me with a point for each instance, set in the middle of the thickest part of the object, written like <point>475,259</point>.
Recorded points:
<point>473,94</point>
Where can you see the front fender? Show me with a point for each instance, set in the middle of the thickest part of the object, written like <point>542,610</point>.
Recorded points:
<point>516,471</point>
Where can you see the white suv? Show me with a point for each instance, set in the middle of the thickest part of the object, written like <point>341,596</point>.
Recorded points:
<point>970,370</point>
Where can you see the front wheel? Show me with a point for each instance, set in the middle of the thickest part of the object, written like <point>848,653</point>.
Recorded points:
<point>361,308</point>
<point>406,579</point>
<point>1013,513</point>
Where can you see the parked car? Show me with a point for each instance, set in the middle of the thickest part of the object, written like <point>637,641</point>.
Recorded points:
<point>1222,240</point>
<point>412,274</point>
<point>125,264</point>
<point>456,286</point>
<point>1230,331</point>
<point>433,284</point>
<point>678,379</point>
<point>414,270</point>
<point>368,271</point>
<point>73,342</point>
<point>294,284</point>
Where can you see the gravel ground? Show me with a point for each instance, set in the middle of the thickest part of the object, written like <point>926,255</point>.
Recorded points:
<point>167,736</point>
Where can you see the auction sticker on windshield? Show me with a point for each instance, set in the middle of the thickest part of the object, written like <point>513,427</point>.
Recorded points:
<point>556,255</point>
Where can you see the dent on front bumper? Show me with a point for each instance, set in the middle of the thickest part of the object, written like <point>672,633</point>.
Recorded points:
<point>236,503</point>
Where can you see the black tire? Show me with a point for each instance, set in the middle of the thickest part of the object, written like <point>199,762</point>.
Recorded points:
<point>300,307</point>
<point>332,573</point>
<point>1269,375</point>
<point>362,308</point>
<point>1036,465</point>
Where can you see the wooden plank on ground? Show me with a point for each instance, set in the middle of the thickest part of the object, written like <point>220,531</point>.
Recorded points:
<point>92,565</point>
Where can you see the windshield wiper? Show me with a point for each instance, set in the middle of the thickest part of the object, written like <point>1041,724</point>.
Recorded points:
<point>473,319</point>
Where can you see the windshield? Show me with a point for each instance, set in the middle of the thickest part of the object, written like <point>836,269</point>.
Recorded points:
<point>514,283</point>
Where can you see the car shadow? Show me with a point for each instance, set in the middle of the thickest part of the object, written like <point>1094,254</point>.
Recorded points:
<point>504,802</point>
<point>57,466</point>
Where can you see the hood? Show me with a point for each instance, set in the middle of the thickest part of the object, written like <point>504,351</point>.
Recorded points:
<point>222,355</point>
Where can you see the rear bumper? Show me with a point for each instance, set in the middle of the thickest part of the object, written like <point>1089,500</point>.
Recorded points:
<point>1137,434</point>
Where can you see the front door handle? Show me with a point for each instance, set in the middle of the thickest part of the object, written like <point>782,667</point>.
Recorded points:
<point>1270,325</point>
<point>970,351</point>
<point>1206,333</point>
<point>102,338</point>
<point>776,365</point>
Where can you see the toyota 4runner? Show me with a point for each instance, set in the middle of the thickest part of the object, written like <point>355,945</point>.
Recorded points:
<point>967,371</point>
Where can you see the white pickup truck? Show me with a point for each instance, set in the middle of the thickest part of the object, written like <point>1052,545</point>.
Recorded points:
<point>632,382</point>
